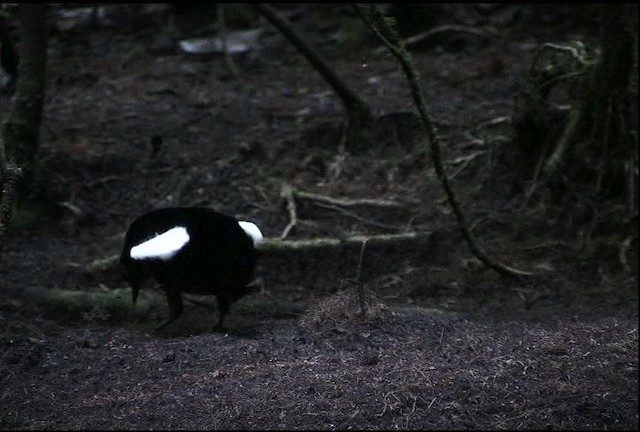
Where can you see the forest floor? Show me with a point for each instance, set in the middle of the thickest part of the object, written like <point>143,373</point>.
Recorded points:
<point>447,344</point>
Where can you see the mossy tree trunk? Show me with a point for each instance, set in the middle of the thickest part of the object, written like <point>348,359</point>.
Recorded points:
<point>20,134</point>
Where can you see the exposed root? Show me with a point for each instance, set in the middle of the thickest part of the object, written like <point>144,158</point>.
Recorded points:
<point>290,194</point>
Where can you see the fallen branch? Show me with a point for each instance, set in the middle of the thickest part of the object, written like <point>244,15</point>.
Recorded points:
<point>270,245</point>
<point>278,246</point>
<point>290,194</point>
<point>565,142</point>
<point>287,194</point>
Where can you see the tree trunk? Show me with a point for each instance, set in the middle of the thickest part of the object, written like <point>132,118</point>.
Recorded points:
<point>21,129</point>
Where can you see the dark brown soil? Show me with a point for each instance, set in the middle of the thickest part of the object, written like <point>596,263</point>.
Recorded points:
<point>447,344</point>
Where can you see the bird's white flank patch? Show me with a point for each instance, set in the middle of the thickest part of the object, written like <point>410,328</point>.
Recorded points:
<point>162,246</point>
<point>252,231</point>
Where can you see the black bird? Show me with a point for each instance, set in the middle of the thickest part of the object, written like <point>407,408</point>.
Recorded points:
<point>192,250</point>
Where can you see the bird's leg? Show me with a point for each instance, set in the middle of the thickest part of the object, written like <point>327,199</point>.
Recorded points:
<point>223,307</point>
<point>174,299</point>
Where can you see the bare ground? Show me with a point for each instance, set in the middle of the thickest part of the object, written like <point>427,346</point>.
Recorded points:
<point>447,344</point>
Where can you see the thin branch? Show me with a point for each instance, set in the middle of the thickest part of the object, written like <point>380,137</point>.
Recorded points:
<point>384,29</point>
<point>466,160</point>
<point>359,218</point>
<point>345,202</point>
<point>565,142</point>
<point>421,37</point>
<point>287,194</point>
<point>277,246</point>
<point>357,109</point>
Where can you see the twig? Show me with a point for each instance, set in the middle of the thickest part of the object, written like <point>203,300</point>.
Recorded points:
<point>432,401</point>
<point>420,37</point>
<point>494,121</point>
<point>287,194</point>
<point>102,180</point>
<point>566,48</point>
<point>358,217</point>
<point>476,223</point>
<point>466,160</point>
<point>535,184</point>
<point>345,202</point>
<point>544,245</point>
<point>290,194</point>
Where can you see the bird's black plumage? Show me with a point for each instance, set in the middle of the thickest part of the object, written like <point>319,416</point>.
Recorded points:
<point>218,259</point>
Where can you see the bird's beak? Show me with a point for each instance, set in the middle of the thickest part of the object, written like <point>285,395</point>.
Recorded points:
<point>134,294</point>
